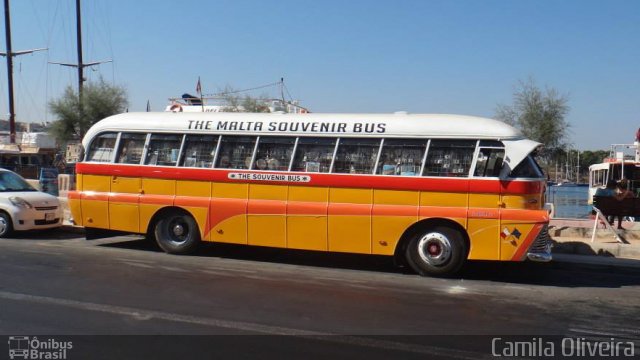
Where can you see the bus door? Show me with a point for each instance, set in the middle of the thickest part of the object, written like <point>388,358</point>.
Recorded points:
<point>485,203</point>
<point>126,187</point>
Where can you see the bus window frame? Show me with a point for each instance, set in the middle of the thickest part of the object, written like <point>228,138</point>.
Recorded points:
<point>479,147</point>
<point>364,139</point>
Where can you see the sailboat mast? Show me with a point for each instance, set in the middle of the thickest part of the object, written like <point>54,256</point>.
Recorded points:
<point>12,113</point>
<point>79,42</point>
<point>578,168</point>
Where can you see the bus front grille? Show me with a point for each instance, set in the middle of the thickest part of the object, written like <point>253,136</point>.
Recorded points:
<point>540,250</point>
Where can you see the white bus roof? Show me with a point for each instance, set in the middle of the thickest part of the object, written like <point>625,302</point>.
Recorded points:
<point>314,124</point>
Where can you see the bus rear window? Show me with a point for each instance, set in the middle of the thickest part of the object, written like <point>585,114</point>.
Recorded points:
<point>528,168</point>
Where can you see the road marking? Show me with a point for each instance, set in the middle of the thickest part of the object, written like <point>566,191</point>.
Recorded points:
<point>171,268</point>
<point>138,264</point>
<point>456,289</point>
<point>133,260</point>
<point>142,314</point>
<point>39,252</point>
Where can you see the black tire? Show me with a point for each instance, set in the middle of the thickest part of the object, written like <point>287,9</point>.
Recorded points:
<point>438,251</point>
<point>177,232</point>
<point>6,225</point>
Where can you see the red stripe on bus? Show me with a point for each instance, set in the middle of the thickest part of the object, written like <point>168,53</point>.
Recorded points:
<point>460,185</point>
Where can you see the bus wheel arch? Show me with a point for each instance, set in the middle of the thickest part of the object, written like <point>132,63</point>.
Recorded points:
<point>175,230</point>
<point>433,247</point>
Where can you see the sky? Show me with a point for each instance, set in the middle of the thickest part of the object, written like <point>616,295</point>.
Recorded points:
<point>348,56</point>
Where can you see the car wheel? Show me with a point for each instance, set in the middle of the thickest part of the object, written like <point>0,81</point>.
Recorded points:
<point>6,225</point>
<point>439,251</point>
<point>177,233</point>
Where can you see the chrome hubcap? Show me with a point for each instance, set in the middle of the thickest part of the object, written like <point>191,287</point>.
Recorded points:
<point>434,249</point>
<point>178,230</point>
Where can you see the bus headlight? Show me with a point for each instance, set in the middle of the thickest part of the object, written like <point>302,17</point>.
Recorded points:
<point>20,202</point>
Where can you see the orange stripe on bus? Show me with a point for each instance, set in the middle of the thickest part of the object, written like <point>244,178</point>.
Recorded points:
<point>224,208</point>
<point>394,210</point>
<point>307,208</point>
<point>148,199</point>
<point>445,212</point>
<point>526,244</point>
<point>124,198</point>
<point>192,201</point>
<point>266,207</point>
<point>525,215</point>
<point>349,209</point>
<point>92,195</point>
<point>72,194</point>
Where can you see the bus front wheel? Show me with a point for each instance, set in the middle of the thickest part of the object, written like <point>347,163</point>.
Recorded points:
<point>177,233</point>
<point>439,251</point>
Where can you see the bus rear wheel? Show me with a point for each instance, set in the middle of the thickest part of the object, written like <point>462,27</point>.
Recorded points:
<point>440,251</point>
<point>177,233</point>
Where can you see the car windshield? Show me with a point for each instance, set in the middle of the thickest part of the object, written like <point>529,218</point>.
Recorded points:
<point>13,182</point>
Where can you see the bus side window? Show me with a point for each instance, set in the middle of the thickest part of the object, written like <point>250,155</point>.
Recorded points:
<point>314,154</point>
<point>356,156</point>
<point>449,158</point>
<point>236,152</point>
<point>274,153</point>
<point>163,149</point>
<point>199,151</point>
<point>131,146</point>
<point>401,157</point>
<point>489,162</point>
<point>102,148</point>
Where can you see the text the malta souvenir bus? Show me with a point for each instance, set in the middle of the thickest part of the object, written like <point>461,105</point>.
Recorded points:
<point>432,190</point>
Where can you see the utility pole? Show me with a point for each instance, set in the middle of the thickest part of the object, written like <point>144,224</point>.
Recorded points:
<point>80,65</point>
<point>10,54</point>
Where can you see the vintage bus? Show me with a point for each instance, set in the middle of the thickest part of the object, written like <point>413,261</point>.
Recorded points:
<point>431,190</point>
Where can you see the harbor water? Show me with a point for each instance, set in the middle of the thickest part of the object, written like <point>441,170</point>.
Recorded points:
<point>569,201</point>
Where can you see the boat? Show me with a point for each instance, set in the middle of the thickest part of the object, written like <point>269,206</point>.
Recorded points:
<point>227,102</point>
<point>617,166</point>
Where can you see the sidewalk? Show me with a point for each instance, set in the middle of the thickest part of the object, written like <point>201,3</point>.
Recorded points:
<point>573,242</point>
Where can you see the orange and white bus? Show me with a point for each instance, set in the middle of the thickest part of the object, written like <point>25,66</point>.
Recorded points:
<point>432,190</point>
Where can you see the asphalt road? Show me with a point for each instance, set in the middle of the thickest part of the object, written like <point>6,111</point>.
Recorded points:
<point>289,303</point>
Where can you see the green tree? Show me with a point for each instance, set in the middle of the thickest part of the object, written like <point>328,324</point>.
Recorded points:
<point>540,115</point>
<point>99,100</point>
<point>588,158</point>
